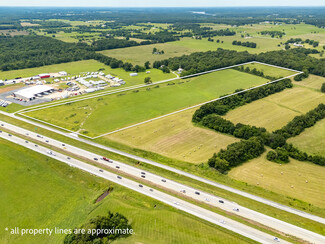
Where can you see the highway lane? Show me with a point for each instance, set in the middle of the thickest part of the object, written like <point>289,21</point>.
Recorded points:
<point>180,172</point>
<point>175,202</point>
<point>195,194</point>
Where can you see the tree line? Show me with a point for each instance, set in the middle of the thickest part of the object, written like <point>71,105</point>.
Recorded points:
<point>245,44</point>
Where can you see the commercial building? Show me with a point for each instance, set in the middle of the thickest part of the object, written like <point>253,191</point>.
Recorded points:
<point>33,92</point>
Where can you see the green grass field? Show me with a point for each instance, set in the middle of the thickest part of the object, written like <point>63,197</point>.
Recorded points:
<point>291,182</point>
<point>277,110</point>
<point>312,140</point>
<point>140,54</point>
<point>176,137</point>
<point>270,71</point>
<point>313,81</point>
<point>100,115</point>
<point>39,192</point>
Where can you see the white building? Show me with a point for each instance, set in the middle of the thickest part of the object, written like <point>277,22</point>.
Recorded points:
<point>63,73</point>
<point>32,92</point>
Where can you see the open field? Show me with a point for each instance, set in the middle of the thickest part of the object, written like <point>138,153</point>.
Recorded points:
<point>111,112</point>
<point>77,67</point>
<point>56,195</point>
<point>277,110</point>
<point>291,182</point>
<point>270,70</point>
<point>313,81</point>
<point>312,140</point>
<point>176,137</point>
<point>140,54</point>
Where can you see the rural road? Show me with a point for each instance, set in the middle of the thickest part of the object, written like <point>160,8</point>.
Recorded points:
<point>170,185</point>
<point>175,202</point>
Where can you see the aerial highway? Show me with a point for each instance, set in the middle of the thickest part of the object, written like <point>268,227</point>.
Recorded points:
<point>174,186</point>
<point>185,206</point>
<point>180,172</point>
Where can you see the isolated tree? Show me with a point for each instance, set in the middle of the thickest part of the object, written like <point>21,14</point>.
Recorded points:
<point>147,80</point>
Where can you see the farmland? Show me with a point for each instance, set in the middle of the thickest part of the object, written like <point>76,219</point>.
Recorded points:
<point>291,182</point>
<point>176,137</point>
<point>60,196</point>
<point>270,70</point>
<point>101,115</point>
<point>277,109</point>
<point>140,54</point>
<point>312,140</point>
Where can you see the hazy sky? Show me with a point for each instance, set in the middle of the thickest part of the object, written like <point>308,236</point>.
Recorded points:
<point>162,3</point>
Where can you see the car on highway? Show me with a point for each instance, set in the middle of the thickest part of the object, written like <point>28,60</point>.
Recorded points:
<point>68,158</point>
<point>0,131</point>
<point>197,193</point>
<point>150,189</point>
<point>140,185</point>
<point>119,177</point>
<point>26,141</point>
<point>276,239</point>
<point>63,145</point>
<point>107,159</point>
<point>143,176</point>
<point>27,134</point>
<point>183,191</point>
<point>117,166</point>
<point>143,173</point>
<point>101,170</point>
<point>2,125</point>
<point>9,135</point>
<point>163,180</point>
<point>221,201</point>
<point>47,141</point>
<point>36,145</point>
<point>176,203</point>
<point>39,136</point>
<point>236,209</point>
<point>96,159</point>
<point>51,153</point>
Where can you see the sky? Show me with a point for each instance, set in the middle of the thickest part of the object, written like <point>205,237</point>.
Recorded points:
<point>161,3</point>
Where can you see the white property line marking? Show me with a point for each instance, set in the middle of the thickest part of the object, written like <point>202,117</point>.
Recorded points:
<point>21,112</point>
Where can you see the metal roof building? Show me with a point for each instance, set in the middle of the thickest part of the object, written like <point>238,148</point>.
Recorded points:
<point>31,92</point>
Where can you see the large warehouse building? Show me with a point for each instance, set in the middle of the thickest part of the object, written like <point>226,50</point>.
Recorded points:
<point>32,92</point>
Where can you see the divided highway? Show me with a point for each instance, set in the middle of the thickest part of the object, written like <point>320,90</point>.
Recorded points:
<point>202,213</point>
<point>177,171</point>
<point>170,185</point>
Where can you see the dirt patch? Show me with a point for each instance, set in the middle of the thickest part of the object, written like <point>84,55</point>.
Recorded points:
<point>105,194</point>
<point>10,87</point>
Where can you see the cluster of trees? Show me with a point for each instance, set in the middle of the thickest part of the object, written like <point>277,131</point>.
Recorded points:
<point>245,44</point>
<point>301,122</point>
<point>302,76</point>
<point>222,106</point>
<point>112,43</point>
<point>273,33</point>
<point>279,155</point>
<point>110,222</point>
<point>297,58</point>
<point>21,52</point>
<point>161,36</point>
<point>237,153</point>
<point>156,51</point>
<point>204,61</point>
<point>299,40</point>
<point>115,63</point>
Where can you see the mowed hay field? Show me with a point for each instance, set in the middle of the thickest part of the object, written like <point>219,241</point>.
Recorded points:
<point>277,110</point>
<point>75,68</point>
<point>291,182</point>
<point>140,54</point>
<point>313,81</point>
<point>40,192</point>
<point>111,112</point>
<point>312,140</point>
<point>175,136</point>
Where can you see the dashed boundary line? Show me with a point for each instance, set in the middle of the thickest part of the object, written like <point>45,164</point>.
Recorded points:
<point>21,112</point>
